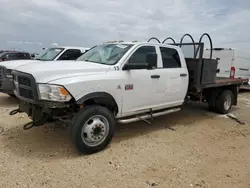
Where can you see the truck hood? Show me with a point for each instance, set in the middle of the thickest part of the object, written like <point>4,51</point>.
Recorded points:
<point>15,63</point>
<point>45,72</point>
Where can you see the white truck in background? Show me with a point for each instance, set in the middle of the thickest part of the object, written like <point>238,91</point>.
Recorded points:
<point>51,54</point>
<point>232,63</point>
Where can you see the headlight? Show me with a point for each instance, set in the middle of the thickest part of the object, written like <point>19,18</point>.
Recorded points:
<point>8,73</point>
<point>53,93</point>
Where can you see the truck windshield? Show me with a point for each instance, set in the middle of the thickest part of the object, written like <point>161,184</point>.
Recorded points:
<point>49,54</point>
<point>108,54</point>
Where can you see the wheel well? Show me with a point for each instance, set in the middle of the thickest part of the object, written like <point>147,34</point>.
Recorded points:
<point>208,93</point>
<point>100,98</point>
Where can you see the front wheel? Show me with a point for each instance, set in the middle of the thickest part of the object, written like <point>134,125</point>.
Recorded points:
<point>92,129</point>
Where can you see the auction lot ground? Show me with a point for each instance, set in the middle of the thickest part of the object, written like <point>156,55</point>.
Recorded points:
<point>191,148</point>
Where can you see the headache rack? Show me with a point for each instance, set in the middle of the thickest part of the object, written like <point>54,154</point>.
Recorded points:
<point>202,71</point>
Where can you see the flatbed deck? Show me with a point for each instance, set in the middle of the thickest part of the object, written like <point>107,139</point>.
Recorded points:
<point>225,82</point>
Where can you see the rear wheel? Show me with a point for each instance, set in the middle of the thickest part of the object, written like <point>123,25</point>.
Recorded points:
<point>224,102</point>
<point>92,129</point>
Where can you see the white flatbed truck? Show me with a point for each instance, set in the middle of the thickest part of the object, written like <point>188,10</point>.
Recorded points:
<point>119,82</point>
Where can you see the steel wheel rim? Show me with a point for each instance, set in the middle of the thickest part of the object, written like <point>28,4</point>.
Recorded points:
<point>227,102</point>
<point>95,130</point>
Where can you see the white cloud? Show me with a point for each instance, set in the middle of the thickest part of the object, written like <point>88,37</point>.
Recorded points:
<point>54,44</point>
<point>77,22</point>
<point>24,42</point>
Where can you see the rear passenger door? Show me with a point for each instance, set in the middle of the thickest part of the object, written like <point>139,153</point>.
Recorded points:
<point>70,54</point>
<point>175,77</point>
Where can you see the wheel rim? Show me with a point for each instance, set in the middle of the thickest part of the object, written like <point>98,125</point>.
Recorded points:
<point>95,130</point>
<point>227,102</point>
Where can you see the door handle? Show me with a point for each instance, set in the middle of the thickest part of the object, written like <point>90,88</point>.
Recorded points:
<point>244,69</point>
<point>155,76</point>
<point>183,75</point>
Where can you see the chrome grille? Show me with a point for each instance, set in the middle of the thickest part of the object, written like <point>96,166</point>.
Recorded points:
<point>25,86</point>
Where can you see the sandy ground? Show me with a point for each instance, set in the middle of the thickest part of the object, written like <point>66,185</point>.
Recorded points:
<point>191,148</point>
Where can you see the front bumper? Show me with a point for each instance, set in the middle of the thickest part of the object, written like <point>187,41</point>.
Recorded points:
<point>44,111</point>
<point>7,86</point>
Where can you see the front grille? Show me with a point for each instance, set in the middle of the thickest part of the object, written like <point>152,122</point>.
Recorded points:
<point>26,93</point>
<point>25,86</point>
<point>24,81</point>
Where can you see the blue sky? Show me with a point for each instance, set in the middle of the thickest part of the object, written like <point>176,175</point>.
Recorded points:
<point>33,24</point>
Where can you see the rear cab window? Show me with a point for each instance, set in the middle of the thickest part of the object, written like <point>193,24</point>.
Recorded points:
<point>23,56</point>
<point>170,57</point>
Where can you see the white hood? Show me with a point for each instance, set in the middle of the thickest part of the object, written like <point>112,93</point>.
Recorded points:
<point>45,72</point>
<point>15,63</point>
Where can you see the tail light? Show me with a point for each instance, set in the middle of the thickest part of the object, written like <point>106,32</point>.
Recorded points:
<point>232,72</point>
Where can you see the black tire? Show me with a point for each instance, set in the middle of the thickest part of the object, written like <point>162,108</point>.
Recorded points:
<point>221,100</point>
<point>81,119</point>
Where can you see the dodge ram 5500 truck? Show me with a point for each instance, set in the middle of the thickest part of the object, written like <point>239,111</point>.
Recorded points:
<point>51,54</point>
<point>119,82</point>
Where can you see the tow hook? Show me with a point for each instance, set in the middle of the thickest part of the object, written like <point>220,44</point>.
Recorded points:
<point>13,112</point>
<point>28,125</point>
<point>32,124</point>
<point>35,123</point>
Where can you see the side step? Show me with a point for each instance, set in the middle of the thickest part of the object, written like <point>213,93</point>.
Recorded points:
<point>147,116</point>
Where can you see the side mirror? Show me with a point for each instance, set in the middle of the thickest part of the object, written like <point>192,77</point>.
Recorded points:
<point>151,60</point>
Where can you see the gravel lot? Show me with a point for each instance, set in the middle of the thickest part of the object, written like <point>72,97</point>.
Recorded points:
<point>191,148</point>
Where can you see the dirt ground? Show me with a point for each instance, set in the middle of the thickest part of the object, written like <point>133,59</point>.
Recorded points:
<point>191,148</point>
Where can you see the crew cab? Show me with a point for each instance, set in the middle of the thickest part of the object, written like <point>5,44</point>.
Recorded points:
<point>118,82</point>
<point>50,54</point>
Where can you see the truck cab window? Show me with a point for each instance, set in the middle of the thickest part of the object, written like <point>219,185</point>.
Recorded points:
<point>140,54</point>
<point>11,56</point>
<point>170,58</point>
<point>23,56</point>
<point>71,54</point>
<point>50,54</point>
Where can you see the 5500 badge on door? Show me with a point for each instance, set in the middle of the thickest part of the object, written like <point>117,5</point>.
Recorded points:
<point>129,87</point>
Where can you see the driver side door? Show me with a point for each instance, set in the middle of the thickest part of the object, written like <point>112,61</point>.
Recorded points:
<point>140,85</point>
